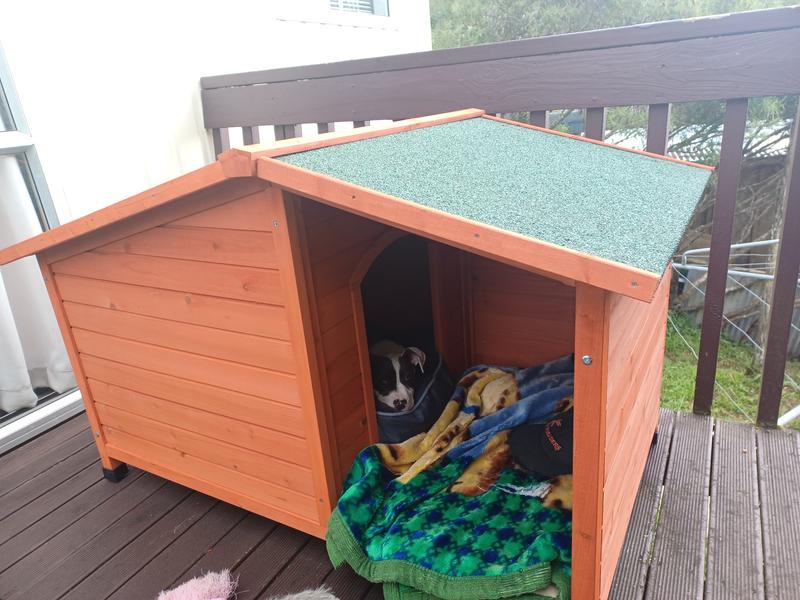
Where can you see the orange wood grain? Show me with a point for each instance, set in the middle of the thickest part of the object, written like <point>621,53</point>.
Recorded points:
<point>257,351</point>
<point>77,368</point>
<point>280,387</point>
<point>248,214</point>
<point>223,246</point>
<point>122,442</point>
<point>290,255</point>
<point>191,473</point>
<point>513,249</point>
<point>226,281</point>
<point>218,401</point>
<point>224,196</point>
<point>225,428</point>
<point>293,145</point>
<point>259,465</point>
<point>591,339</point>
<point>186,307</point>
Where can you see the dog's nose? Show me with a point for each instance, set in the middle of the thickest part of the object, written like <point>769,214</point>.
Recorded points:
<point>399,404</point>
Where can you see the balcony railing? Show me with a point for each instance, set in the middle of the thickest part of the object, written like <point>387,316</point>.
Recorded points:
<point>731,58</point>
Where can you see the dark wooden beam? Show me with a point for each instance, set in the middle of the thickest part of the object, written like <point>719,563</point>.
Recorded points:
<point>784,291</point>
<point>721,233</point>
<point>657,128</point>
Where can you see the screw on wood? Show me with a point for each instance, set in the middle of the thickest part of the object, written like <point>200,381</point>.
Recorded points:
<point>587,360</point>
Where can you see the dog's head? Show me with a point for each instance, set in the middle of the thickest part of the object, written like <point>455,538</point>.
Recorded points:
<point>395,374</point>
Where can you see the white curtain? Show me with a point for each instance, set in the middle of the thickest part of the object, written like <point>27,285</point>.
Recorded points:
<point>32,352</point>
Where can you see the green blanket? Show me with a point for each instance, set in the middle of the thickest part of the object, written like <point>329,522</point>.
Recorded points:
<point>445,515</point>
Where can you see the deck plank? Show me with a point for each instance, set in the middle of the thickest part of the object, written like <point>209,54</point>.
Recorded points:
<point>29,454</point>
<point>631,576</point>
<point>735,562</point>
<point>779,481</point>
<point>161,572</point>
<point>59,577</point>
<point>307,570</point>
<point>108,576</point>
<point>258,570</point>
<point>346,583</point>
<point>678,553</point>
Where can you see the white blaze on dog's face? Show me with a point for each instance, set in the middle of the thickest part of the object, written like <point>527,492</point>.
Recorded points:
<point>395,373</point>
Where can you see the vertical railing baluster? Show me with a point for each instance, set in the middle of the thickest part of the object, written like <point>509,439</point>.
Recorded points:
<point>284,132</point>
<point>250,135</point>
<point>596,123</point>
<point>222,140</point>
<point>783,291</point>
<point>357,124</point>
<point>324,127</point>
<point>657,128</point>
<point>721,232</point>
<point>538,118</point>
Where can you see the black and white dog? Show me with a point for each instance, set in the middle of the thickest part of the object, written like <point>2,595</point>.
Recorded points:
<point>395,374</point>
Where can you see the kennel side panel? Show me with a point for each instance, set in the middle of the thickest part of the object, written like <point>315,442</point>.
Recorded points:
<point>172,322</point>
<point>635,361</point>
<point>518,318</point>
<point>334,242</point>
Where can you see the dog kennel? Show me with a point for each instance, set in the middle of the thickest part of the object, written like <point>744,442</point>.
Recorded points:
<point>219,327</point>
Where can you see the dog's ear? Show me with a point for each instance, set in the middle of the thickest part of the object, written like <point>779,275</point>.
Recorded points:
<point>416,357</point>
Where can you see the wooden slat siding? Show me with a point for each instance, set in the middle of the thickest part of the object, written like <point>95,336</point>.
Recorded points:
<point>54,579</point>
<point>518,318</point>
<point>216,401</point>
<point>16,475</point>
<point>538,118</point>
<point>271,385</point>
<point>334,243</point>
<point>289,226</point>
<point>223,246</point>
<point>518,251</point>
<point>634,561</point>
<point>784,291</point>
<point>735,556</point>
<point>677,567</point>
<point>251,135</point>
<point>114,572</point>
<point>12,549</point>
<point>245,214</point>
<point>261,567</point>
<point>721,234</point>
<point>15,577</point>
<point>232,549</point>
<point>591,339</point>
<point>657,128</point>
<point>196,309</point>
<point>223,428</point>
<point>231,198</point>
<point>257,351</point>
<point>752,64</point>
<point>308,569</point>
<point>225,281</point>
<point>596,123</point>
<point>779,480</point>
<point>210,478</point>
<point>637,333</point>
<point>719,25</point>
<point>161,572</point>
<point>292,475</point>
<point>68,336</point>
<point>42,483</point>
<point>221,139</point>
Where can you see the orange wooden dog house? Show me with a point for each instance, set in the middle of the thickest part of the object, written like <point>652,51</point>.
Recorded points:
<point>218,323</point>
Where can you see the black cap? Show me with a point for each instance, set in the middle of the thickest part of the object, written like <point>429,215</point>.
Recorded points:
<point>544,449</point>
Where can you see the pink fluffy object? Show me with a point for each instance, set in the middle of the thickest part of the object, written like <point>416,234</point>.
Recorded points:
<point>211,586</point>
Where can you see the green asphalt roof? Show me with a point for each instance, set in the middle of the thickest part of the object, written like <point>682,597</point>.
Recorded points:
<point>613,204</point>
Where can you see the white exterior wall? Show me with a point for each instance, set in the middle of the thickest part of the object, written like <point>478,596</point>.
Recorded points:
<point>111,90</point>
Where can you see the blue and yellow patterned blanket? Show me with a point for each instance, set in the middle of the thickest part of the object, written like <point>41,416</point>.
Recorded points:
<point>444,515</point>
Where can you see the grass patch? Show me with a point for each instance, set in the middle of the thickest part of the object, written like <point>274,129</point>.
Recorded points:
<point>737,373</point>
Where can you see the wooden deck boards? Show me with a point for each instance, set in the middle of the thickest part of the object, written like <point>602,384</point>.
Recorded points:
<point>715,517</point>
